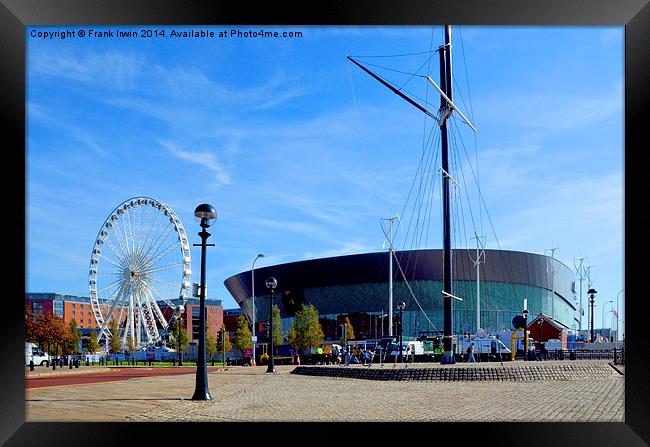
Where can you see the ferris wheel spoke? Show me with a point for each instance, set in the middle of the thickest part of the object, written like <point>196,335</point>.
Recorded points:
<point>157,243</point>
<point>113,284</point>
<point>119,253</point>
<point>118,299</point>
<point>150,229</point>
<point>156,309</point>
<point>159,295</point>
<point>161,254</point>
<point>164,282</point>
<point>121,237</point>
<point>121,267</point>
<point>153,230</point>
<point>123,222</point>
<point>164,267</point>
<point>151,329</point>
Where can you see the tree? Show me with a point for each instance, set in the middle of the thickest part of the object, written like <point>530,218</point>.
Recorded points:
<point>225,344</point>
<point>73,337</point>
<point>308,331</point>
<point>210,345</point>
<point>173,332</point>
<point>278,336</point>
<point>115,343</point>
<point>93,343</point>
<point>242,335</point>
<point>349,329</point>
<point>292,337</point>
<point>130,342</point>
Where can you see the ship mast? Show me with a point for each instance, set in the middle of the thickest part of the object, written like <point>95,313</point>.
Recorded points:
<point>447,107</point>
<point>445,112</point>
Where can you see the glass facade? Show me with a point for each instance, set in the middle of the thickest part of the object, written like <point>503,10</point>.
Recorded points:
<point>499,302</point>
<point>356,287</point>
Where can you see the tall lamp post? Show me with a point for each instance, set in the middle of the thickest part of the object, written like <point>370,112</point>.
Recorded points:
<point>540,322</point>
<point>206,215</point>
<point>592,300</point>
<point>617,314</point>
<point>271,284</point>
<point>401,305</point>
<point>602,319</point>
<point>179,319</point>
<point>254,338</point>
<point>525,314</point>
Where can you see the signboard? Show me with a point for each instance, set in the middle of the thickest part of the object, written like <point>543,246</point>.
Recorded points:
<point>518,322</point>
<point>254,338</point>
<point>248,352</point>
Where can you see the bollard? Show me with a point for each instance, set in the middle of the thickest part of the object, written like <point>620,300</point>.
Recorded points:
<point>76,363</point>
<point>31,365</point>
<point>212,361</point>
<point>53,364</point>
<point>174,362</point>
<point>70,364</point>
<point>149,362</point>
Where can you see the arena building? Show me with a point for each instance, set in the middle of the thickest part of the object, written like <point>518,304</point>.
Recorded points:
<point>355,287</point>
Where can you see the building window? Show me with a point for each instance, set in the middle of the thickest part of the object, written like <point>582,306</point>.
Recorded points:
<point>195,321</point>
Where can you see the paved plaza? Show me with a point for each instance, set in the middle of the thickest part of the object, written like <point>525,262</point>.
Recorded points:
<point>250,394</point>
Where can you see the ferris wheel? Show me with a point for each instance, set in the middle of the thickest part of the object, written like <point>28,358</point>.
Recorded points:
<point>140,260</point>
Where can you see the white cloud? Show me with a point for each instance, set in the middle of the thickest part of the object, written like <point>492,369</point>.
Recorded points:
<point>117,70</point>
<point>207,160</point>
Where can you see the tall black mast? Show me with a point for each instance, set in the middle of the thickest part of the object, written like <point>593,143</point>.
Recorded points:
<point>446,108</point>
<point>445,112</point>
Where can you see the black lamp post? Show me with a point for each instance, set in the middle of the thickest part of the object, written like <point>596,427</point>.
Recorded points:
<point>206,215</point>
<point>592,293</point>
<point>271,284</point>
<point>525,314</point>
<point>540,322</point>
<point>179,316</point>
<point>401,305</point>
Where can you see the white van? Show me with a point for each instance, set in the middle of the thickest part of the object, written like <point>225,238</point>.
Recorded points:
<point>33,352</point>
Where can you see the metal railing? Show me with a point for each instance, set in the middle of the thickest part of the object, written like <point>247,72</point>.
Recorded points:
<point>577,354</point>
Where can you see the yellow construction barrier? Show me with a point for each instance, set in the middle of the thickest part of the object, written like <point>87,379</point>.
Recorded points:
<point>514,337</point>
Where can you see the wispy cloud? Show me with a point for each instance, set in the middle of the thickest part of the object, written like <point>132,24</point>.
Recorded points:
<point>111,69</point>
<point>49,117</point>
<point>348,248</point>
<point>554,109</point>
<point>207,160</point>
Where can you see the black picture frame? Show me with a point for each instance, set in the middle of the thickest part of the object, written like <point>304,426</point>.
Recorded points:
<point>633,14</point>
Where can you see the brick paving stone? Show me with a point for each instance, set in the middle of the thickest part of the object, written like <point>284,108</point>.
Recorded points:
<point>249,394</point>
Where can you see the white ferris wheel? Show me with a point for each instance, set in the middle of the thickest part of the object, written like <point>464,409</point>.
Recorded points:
<point>140,259</point>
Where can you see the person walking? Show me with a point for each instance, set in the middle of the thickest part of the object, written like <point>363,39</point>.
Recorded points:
<point>470,353</point>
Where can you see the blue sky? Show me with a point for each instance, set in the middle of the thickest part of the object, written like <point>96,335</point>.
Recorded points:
<point>302,153</point>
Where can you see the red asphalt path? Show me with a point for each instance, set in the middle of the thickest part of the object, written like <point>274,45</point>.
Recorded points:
<point>115,374</point>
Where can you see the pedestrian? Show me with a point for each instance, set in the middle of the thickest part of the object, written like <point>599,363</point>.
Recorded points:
<point>470,353</point>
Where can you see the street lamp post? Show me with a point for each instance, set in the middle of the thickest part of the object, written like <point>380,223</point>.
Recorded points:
<point>271,284</point>
<point>617,314</point>
<point>179,319</point>
<point>540,322</point>
<point>525,314</point>
<point>401,305</point>
<point>254,338</point>
<point>206,215</point>
<point>602,319</point>
<point>592,300</point>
